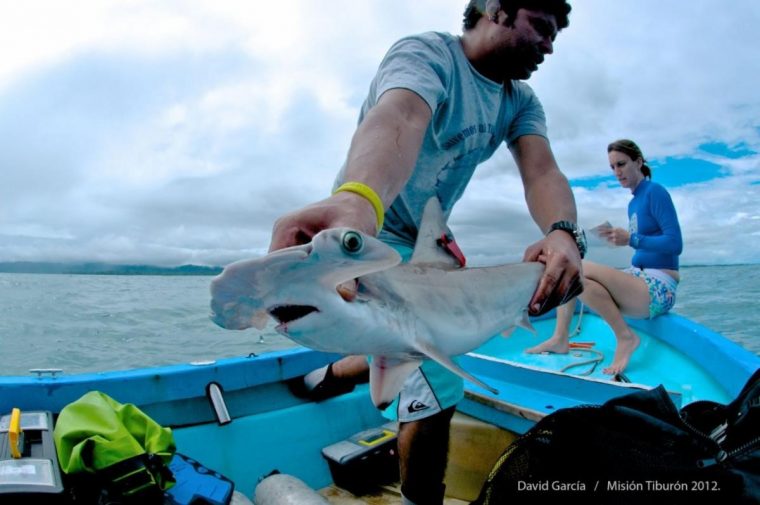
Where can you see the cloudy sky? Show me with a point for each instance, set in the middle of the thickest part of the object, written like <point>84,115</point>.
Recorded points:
<point>175,132</point>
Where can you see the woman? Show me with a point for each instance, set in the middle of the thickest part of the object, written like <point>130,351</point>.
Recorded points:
<point>647,288</point>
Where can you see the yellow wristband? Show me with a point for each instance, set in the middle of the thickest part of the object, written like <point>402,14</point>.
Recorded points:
<point>369,194</point>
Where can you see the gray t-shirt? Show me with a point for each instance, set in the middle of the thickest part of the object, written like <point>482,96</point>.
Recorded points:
<point>472,116</point>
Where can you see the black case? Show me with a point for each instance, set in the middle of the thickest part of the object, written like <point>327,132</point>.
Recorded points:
<point>365,460</point>
<point>36,476</point>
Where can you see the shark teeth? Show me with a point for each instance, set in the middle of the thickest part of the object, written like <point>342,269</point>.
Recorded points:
<point>288,313</point>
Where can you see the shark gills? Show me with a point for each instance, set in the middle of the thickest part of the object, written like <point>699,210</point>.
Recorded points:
<point>428,308</point>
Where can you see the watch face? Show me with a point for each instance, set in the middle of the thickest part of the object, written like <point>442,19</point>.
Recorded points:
<point>581,240</point>
<point>576,231</point>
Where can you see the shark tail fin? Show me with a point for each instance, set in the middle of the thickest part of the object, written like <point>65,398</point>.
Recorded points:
<point>386,378</point>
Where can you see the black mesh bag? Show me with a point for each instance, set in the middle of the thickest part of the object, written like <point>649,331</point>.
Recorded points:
<point>637,448</point>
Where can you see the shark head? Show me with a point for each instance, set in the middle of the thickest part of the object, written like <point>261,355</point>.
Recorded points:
<point>292,285</point>
<point>431,308</point>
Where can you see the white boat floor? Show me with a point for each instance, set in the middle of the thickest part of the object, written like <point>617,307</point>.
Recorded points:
<point>385,495</point>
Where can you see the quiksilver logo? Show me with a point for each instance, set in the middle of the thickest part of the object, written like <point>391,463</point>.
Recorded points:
<point>416,406</point>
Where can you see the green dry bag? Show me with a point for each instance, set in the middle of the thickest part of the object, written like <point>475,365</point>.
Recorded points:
<point>117,443</point>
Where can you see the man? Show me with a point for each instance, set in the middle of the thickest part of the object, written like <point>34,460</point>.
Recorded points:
<point>438,106</point>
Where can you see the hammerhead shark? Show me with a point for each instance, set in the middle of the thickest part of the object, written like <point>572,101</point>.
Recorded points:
<point>428,308</point>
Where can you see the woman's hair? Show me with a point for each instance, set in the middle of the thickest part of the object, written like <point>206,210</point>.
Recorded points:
<point>630,149</point>
<point>476,8</point>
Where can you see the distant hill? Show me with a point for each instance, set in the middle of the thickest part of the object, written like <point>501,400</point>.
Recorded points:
<point>32,267</point>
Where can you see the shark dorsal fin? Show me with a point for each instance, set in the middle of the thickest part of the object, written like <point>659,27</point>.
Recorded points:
<point>432,227</point>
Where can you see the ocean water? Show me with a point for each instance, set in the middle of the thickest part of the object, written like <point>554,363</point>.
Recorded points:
<point>89,323</point>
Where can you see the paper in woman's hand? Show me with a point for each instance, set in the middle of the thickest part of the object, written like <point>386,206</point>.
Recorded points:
<point>602,231</point>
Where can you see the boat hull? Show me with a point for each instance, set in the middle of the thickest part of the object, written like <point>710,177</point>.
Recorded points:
<point>272,429</point>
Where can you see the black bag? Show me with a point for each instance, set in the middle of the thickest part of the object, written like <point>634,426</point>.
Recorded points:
<point>636,449</point>
<point>195,485</point>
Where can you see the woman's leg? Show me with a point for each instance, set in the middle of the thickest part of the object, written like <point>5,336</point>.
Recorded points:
<point>558,342</point>
<point>612,294</point>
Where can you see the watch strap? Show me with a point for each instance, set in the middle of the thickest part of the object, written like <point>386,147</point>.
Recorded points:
<point>575,231</point>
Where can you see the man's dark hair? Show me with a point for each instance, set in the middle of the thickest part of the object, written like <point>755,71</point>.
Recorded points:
<point>559,8</point>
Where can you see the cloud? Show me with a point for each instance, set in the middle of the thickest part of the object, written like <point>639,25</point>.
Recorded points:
<point>178,132</point>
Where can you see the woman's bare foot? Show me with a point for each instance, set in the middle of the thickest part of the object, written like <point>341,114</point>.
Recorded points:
<point>623,352</point>
<point>556,345</point>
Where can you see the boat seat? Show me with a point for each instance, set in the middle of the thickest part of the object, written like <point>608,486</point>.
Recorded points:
<point>474,447</point>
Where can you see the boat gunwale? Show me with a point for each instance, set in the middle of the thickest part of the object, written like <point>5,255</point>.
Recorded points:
<point>728,362</point>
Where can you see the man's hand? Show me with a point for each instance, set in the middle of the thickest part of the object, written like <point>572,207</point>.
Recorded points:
<point>341,209</point>
<point>563,276</point>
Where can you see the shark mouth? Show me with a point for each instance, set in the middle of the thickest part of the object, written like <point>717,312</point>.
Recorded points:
<point>288,313</point>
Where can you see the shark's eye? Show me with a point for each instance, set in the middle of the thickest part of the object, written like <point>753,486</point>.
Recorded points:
<point>352,242</point>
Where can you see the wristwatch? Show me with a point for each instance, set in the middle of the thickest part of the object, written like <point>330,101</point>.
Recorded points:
<point>576,231</point>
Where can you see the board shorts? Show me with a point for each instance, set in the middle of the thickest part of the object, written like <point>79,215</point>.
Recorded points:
<point>662,289</point>
<point>431,388</point>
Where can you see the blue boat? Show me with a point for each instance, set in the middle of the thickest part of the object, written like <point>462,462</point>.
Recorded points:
<point>239,416</point>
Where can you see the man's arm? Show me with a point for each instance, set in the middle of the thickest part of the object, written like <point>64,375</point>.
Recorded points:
<point>382,155</point>
<point>549,199</point>
<point>547,191</point>
<point>386,145</point>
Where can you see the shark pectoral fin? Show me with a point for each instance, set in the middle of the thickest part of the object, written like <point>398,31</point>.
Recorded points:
<point>523,321</point>
<point>386,378</point>
<point>445,361</point>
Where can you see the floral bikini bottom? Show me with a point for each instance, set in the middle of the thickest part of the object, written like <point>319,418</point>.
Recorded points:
<point>662,289</point>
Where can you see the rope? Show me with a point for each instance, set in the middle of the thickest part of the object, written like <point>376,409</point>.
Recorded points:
<point>593,362</point>
<point>577,329</point>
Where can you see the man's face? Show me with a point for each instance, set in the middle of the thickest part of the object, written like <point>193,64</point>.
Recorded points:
<point>525,42</point>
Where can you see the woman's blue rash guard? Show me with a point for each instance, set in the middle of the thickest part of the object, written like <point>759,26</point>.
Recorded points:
<point>654,229</point>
